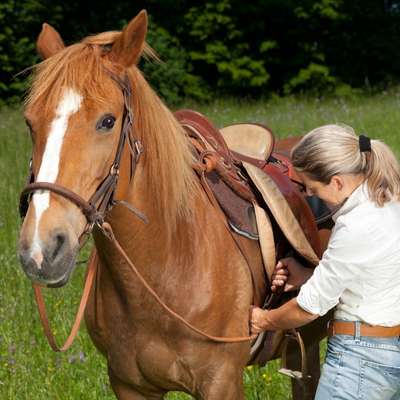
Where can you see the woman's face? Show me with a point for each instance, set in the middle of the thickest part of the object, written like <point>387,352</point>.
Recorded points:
<point>332,193</point>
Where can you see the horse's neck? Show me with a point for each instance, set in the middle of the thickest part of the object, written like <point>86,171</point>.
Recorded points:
<point>169,265</point>
<point>152,245</point>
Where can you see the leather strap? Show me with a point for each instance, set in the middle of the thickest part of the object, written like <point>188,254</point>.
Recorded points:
<point>87,209</point>
<point>91,272</point>
<point>349,328</point>
<point>108,232</point>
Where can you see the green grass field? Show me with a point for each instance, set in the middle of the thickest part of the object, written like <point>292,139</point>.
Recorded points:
<point>28,368</point>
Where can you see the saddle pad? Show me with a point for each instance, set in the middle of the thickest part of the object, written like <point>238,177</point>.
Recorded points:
<point>282,212</point>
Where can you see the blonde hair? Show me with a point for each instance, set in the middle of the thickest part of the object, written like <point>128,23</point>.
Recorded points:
<point>334,150</point>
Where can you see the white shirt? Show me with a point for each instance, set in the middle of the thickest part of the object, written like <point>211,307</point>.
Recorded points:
<point>359,272</point>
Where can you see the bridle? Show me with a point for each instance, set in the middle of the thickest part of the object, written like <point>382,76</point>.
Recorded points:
<point>102,199</point>
<point>95,210</point>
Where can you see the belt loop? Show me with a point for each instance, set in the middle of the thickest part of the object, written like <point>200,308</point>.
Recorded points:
<point>331,327</point>
<point>357,330</point>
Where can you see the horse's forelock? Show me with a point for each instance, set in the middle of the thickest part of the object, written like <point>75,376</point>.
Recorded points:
<point>102,38</point>
<point>79,66</point>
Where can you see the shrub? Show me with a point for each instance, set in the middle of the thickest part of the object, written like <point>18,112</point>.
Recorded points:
<point>171,78</point>
<point>19,19</point>
<point>315,78</point>
<point>219,50</point>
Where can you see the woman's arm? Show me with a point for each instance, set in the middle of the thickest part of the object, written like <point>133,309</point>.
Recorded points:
<point>290,315</point>
<point>342,263</point>
<point>289,274</point>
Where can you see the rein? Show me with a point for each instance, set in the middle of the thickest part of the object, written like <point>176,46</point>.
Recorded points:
<point>95,210</point>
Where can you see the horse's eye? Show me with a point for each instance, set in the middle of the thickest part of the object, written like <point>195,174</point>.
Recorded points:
<point>105,123</point>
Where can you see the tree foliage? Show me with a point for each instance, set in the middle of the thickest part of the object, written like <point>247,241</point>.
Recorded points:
<point>226,46</point>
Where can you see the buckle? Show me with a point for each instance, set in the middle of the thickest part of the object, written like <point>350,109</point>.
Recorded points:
<point>114,170</point>
<point>138,147</point>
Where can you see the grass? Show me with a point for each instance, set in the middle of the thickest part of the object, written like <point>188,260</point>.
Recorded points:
<point>28,368</point>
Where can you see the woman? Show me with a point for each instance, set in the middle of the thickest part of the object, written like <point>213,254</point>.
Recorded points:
<point>359,273</point>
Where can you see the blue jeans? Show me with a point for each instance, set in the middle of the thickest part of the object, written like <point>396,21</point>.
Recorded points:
<point>360,368</point>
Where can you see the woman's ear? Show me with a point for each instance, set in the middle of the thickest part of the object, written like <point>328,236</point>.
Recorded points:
<point>128,48</point>
<point>337,182</point>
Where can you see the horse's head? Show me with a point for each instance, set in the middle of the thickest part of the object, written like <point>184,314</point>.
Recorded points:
<point>75,113</point>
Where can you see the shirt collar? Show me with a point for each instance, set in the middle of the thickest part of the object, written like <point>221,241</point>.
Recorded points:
<point>359,195</point>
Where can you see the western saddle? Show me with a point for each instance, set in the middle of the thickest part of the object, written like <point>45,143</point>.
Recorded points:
<point>235,162</point>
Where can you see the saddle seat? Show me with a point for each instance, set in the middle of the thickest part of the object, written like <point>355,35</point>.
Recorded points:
<point>252,140</point>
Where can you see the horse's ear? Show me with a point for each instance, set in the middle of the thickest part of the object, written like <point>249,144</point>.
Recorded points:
<point>49,42</point>
<point>128,47</point>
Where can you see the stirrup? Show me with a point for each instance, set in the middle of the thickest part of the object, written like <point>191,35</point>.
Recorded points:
<point>300,376</point>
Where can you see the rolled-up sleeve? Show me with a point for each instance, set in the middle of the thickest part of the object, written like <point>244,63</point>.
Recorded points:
<point>338,269</point>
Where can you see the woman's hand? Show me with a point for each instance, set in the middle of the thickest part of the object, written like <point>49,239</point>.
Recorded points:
<point>289,274</point>
<point>287,316</point>
<point>258,320</point>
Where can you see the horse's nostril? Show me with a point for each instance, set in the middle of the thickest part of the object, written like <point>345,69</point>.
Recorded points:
<point>59,242</point>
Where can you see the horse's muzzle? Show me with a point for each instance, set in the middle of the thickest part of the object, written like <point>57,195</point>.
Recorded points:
<point>49,263</point>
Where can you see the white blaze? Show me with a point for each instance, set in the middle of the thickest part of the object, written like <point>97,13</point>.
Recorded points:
<point>69,104</point>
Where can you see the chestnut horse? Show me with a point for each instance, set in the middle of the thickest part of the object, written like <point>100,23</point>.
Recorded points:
<point>75,112</point>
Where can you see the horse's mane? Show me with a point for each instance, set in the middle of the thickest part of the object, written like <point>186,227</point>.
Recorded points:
<point>167,158</point>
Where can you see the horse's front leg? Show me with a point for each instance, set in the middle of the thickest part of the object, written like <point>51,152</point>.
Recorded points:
<point>223,383</point>
<point>124,391</point>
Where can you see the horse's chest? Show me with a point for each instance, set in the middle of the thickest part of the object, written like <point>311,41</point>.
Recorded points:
<point>146,360</point>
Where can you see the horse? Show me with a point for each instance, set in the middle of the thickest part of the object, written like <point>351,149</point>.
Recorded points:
<point>82,97</point>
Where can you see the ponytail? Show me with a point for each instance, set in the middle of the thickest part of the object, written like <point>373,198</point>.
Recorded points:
<point>335,149</point>
<point>382,173</point>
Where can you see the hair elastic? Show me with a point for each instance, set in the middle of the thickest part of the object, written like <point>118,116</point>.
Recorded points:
<point>364,143</point>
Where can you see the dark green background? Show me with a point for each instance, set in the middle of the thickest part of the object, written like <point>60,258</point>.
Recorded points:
<point>228,47</point>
